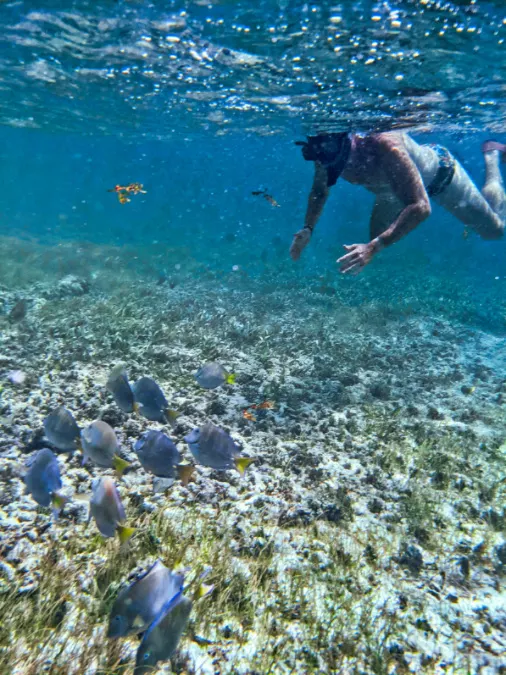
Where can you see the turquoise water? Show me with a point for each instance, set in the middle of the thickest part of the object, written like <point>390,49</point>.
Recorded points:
<point>368,535</point>
<point>199,198</point>
<point>201,102</point>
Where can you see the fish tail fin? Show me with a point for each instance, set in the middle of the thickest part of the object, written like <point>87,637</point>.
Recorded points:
<point>58,501</point>
<point>242,463</point>
<point>185,473</point>
<point>203,590</point>
<point>120,465</point>
<point>230,378</point>
<point>171,415</point>
<point>124,533</point>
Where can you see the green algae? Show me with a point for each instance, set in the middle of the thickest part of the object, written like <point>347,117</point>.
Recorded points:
<point>359,477</point>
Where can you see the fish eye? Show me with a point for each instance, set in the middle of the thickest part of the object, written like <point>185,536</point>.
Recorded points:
<point>117,617</point>
<point>146,656</point>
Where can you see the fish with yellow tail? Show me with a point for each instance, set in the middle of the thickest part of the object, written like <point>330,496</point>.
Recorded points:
<point>213,447</point>
<point>43,480</point>
<point>107,510</point>
<point>159,455</point>
<point>99,443</point>
<point>213,375</point>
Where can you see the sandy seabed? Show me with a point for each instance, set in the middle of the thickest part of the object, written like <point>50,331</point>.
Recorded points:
<point>367,537</point>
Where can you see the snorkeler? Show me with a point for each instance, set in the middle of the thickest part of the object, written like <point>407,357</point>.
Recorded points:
<point>404,176</point>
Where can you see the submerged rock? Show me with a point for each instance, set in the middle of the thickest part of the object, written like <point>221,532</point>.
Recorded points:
<point>412,558</point>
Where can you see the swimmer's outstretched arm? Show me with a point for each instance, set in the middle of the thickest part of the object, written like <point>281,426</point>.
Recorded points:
<point>407,185</point>
<point>316,202</point>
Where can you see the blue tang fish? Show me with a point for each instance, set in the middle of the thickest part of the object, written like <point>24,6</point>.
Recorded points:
<point>152,403</point>
<point>43,479</point>
<point>61,430</point>
<point>137,606</point>
<point>213,375</point>
<point>118,385</point>
<point>100,444</point>
<point>211,446</point>
<point>159,455</point>
<point>108,511</point>
<point>162,637</point>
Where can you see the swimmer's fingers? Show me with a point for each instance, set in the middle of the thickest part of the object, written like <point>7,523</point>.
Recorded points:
<point>353,266</point>
<point>353,252</point>
<point>353,269</point>
<point>355,259</point>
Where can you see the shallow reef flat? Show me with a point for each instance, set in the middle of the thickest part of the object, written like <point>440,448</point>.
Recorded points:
<point>368,537</point>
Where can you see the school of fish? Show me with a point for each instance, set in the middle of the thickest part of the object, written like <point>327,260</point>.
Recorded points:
<point>154,604</point>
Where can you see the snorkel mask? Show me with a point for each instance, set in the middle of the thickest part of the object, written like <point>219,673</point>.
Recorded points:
<point>332,150</point>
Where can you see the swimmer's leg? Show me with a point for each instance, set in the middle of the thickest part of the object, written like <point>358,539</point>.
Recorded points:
<point>493,190</point>
<point>472,207</point>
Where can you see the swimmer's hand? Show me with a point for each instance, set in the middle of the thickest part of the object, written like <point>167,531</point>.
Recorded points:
<point>299,243</point>
<point>358,256</point>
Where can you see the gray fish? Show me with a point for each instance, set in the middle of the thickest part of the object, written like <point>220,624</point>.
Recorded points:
<point>43,479</point>
<point>61,430</point>
<point>18,312</point>
<point>157,453</point>
<point>108,511</point>
<point>162,637</point>
<point>152,403</point>
<point>101,446</point>
<point>211,446</point>
<point>117,384</point>
<point>213,375</point>
<point>137,606</point>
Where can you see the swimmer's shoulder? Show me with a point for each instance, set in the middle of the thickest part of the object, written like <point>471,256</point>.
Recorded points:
<point>387,141</point>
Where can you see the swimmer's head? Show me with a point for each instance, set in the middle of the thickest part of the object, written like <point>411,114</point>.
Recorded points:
<point>332,150</point>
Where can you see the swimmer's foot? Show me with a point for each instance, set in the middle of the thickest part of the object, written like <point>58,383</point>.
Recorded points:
<point>490,146</point>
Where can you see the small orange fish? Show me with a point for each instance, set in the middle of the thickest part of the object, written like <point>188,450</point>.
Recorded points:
<point>266,196</point>
<point>131,188</point>
<point>266,405</point>
<point>135,188</point>
<point>249,416</point>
